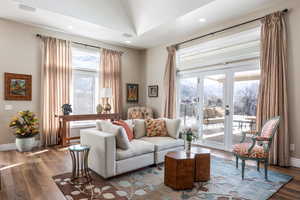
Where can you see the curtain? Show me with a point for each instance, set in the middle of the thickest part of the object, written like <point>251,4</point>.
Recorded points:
<point>272,99</point>
<point>56,81</point>
<point>170,84</point>
<point>111,77</point>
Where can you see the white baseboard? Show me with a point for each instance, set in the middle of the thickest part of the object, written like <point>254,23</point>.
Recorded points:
<point>12,146</point>
<point>7,147</point>
<point>295,162</point>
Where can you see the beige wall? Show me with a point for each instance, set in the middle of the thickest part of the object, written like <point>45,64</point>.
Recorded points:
<point>155,59</point>
<point>20,53</point>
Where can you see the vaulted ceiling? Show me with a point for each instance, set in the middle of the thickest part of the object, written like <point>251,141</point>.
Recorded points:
<point>134,23</point>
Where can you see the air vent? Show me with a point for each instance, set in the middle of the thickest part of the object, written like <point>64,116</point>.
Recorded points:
<point>127,35</point>
<point>26,8</point>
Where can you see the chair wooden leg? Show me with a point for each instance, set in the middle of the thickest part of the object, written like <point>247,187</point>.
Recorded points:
<point>243,169</point>
<point>258,165</point>
<point>237,162</point>
<point>266,169</point>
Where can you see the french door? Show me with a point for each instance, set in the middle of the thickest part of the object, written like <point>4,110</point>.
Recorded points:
<point>221,103</point>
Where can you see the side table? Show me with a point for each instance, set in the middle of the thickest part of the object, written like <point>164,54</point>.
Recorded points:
<point>183,169</point>
<point>80,170</point>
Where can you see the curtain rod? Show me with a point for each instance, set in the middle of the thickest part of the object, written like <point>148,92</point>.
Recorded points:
<point>225,29</point>
<point>87,45</point>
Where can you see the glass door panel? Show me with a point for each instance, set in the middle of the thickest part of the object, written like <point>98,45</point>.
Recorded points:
<point>213,112</point>
<point>189,99</point>
<point>245,91</point>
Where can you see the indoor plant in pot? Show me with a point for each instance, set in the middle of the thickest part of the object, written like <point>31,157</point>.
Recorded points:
<point>26,128</point>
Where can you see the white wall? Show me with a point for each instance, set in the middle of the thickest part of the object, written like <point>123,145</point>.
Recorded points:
<point>20,53</point>
<point>155,60</point>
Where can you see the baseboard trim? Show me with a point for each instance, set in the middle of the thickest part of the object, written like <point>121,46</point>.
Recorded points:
<point>8,147</point>
<point>12,146</point>
<point>295,162</point>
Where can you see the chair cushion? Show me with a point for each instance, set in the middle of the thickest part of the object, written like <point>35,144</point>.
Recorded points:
<point>136,148</point>
<point>242,150</point>
<point>162,143</point>
<point>156,127</point>
<point>267,130</point>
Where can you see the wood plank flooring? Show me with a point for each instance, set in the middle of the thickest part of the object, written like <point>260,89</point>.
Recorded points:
<point>27,176</point>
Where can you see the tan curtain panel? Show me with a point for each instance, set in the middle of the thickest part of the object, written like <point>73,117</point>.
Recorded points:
<point>111,77</point>
<point>170,84</point>
<point>272,99</point>
<point>56,82</point>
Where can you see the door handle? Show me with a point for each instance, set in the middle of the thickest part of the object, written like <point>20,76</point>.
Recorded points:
<point>227,110</point>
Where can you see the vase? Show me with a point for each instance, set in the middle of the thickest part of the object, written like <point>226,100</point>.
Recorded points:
<point>25,144</point>
<point>189,146</point>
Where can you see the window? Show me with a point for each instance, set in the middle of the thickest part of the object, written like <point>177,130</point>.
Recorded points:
<point>84,95</point>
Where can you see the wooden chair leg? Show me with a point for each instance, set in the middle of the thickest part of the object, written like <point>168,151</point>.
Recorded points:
<point>243,169</point>
<point>237,162</point>
<point>258,165</point>
<point>266,169</point>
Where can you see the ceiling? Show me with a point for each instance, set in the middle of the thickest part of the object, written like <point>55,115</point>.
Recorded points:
<point>133,23</point>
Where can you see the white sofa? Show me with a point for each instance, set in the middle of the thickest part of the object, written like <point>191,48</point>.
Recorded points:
<point>107,160</point>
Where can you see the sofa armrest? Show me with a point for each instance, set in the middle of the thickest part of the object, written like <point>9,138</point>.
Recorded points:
<point>102,156</point>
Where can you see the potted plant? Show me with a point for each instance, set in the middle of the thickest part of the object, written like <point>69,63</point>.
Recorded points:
<point>26,128</point>
<point>190,134</point>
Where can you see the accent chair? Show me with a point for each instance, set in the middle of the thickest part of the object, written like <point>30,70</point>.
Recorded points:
<point>259,149</point>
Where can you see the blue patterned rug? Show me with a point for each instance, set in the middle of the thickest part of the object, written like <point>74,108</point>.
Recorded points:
<point>226,183</point>
<point>148,184</point>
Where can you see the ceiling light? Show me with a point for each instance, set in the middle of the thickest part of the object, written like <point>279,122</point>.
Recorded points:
<point>70,27</point>
<point>202,20</point>
<point>127,41</point>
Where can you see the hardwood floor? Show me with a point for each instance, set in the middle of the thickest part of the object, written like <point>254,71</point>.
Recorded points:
<point>28,175</point>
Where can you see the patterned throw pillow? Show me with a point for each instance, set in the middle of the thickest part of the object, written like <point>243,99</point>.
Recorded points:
<point>156,127</point>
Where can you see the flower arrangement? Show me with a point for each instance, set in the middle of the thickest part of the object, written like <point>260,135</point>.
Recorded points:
<point>25,124</point>
<point>190,134</point>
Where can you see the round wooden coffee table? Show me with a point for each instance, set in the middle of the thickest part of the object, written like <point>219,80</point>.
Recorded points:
<point>182,169</point>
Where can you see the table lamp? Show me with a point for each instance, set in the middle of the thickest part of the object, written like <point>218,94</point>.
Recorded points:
<point>106,93</point>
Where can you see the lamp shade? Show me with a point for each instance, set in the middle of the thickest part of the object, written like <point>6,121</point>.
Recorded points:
<point>105,93</point>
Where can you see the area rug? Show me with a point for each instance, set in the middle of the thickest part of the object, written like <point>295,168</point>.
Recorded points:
<point>148,184</point>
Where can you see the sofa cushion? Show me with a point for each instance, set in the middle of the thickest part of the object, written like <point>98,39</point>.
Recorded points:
<point>128,130</point>
<point>139,128</point>
<point>162,143</point>
<point>156,127</point>
<point>122,140</point>
<point>137,147</point>
<point>173,126</point>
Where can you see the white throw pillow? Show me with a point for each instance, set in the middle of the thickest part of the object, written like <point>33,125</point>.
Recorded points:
<point>120,133</point>
<point>98,125</point>
<point>139,128</point>
<point>173,126</point>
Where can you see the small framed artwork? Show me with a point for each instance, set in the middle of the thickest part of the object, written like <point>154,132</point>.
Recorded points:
<point>17,86</point>
<point>132,92</point>
<point>153,91</point>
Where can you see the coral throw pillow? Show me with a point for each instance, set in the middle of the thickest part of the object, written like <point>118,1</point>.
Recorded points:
<point>156,127</point>
<point>128,130</point>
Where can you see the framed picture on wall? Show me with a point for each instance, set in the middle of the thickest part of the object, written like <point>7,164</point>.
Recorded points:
<point>17,86</point>
<point>132,92</point>
<point>153,91</point>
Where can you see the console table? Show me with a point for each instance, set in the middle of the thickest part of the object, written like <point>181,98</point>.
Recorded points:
<point>64,133</point>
